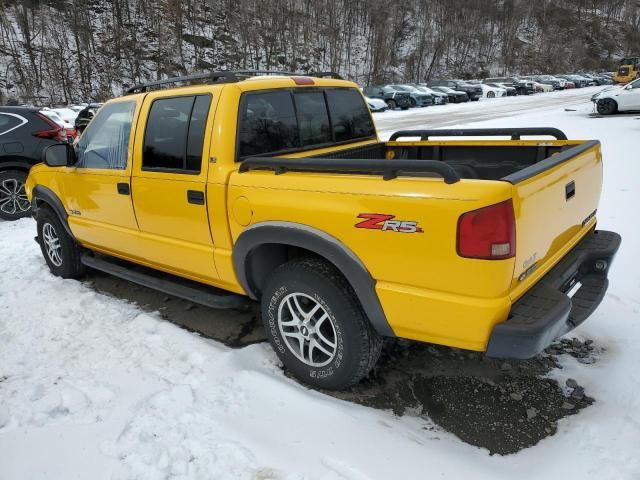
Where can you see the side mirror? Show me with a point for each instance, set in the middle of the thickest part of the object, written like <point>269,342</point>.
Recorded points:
<point>59,155</point>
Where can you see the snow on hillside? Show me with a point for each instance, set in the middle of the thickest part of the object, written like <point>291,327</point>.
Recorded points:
<point>91,387</point>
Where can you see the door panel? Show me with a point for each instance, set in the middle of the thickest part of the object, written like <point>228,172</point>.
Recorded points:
<point>178,230</point>
<point>169,179</point>
<point>99,215</point>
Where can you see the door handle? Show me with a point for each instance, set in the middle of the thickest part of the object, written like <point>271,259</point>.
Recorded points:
<point>123,189</point>
<point>196,197</point>
<point>570,190</point>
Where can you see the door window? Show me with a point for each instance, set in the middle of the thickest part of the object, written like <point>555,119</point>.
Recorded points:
<point>105,142</point>
<point>174,135</point>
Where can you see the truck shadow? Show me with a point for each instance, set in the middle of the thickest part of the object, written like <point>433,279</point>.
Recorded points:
<point>503,406</point>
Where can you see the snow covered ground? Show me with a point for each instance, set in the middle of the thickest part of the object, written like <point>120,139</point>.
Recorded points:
<point>92,387</point>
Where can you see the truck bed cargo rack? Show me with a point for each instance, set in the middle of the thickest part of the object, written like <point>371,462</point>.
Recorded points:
<point>514,133</point>
<point>389,169</point>
<point>222,76</point>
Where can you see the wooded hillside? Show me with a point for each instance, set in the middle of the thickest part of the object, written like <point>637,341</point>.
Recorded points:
<point>78,50</point>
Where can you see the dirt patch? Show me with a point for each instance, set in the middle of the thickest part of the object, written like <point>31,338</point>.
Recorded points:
<point>503,406</point>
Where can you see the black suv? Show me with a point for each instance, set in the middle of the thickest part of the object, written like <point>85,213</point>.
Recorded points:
<point>393,97</point>
<point>473,91</point>
<point>24,134</point>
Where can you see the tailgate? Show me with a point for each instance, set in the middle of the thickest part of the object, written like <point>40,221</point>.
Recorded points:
<point>555,202</point>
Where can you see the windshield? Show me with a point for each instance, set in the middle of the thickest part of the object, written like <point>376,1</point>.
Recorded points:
<point>445,89</point>
<point>403,88</point>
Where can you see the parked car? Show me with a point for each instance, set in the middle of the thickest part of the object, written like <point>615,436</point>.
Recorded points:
<point>376,104</point>
<point>492,92</point>
<point>474,92</point>
<point>85,115</point>
<point>511,91</point>
<point>556,83</point>
<point>578,81</point>
<point>418,98</point>
<point>456,258</point>
<point>67,114</point>
<point>523,87</point>
<point>24,133</point>
<point>69,129</point>
<point>622,99</point>
<point>439,98</point>
<point>392,97</point>
<point>455,96</point>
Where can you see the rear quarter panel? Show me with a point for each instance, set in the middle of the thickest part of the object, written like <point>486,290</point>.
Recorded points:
<point>427,291</point>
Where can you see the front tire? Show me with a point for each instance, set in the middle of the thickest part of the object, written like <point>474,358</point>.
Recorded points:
<point>316,325</point>
<point>391,104</point>
<point>606,106</point>
<point>491,95</point>
<point>14,203</point>
<point>59,249</point>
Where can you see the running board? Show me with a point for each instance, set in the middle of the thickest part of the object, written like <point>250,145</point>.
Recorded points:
<point>170,284</point>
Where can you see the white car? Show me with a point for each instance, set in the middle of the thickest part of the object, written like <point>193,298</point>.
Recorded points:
<point>492,92</point>
<point>376,104</point>
<point>66,114</point>
<point>615,100</point>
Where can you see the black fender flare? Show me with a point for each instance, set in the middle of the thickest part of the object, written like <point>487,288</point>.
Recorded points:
<point>314,240</point>
<point>42,194</point>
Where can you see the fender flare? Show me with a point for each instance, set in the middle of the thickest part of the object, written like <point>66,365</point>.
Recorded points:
<point>46,195</point>
<point>317,241</point>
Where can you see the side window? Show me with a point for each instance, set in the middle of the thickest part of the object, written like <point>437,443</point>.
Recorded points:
<point>10,122</point>
<point>313,119</point>
<point>350,116</point>
<point>105,142</point>
<point>174,134</point>
<point>267,123</point>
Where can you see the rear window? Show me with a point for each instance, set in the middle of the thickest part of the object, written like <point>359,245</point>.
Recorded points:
<point>282,120</point>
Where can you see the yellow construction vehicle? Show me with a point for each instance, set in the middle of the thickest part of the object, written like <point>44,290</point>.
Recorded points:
<point>628,70</point>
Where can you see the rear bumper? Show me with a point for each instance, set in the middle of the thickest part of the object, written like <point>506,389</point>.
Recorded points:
<point>546,311</point>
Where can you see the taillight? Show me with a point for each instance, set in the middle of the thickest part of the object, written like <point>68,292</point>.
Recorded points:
<point>56,132</point>
<point>488,233</point>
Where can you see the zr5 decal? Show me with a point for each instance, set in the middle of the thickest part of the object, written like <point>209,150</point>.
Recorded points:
<point>380,221</point>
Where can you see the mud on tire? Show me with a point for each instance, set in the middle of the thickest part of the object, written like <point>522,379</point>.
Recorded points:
<point>316,325</point>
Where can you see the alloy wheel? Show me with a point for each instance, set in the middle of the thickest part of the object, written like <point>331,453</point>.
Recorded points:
<point>13,198</point>
<point>52,244</point>
<point>307,329</point>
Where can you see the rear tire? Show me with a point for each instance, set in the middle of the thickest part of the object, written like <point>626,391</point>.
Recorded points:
<point>59,249</point>
<point>316,325</point>
<point>606,106</point>
<point>491,95</point>
<point>14,203</point>
<point>391,104</point>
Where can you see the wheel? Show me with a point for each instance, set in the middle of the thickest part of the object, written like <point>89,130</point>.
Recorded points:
<point>606,106</point>
<point>391,104</point>
<point>14,203</point>
<point>491,95</point>
<point>59,249</point>
<point>412,102</point>
<point>316,325</point>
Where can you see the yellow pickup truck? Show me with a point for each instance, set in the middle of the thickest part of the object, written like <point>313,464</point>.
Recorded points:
<point>245,186</point>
